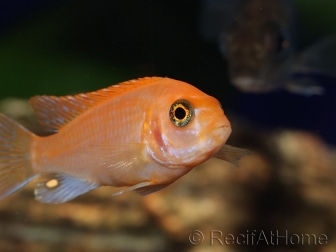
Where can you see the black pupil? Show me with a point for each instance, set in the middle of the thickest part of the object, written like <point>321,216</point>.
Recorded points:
<point>180,113</point>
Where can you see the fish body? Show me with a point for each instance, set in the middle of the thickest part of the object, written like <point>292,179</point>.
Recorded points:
<point>143,134</point>
<point>259,42</point>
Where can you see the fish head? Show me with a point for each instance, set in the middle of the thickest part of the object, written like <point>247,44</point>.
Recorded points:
<point>185,127</point>
<point>256,46</point>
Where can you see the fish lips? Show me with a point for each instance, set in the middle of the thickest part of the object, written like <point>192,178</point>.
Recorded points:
<point>248,84</point>
<point>219,135</point>
<point>222,132</point>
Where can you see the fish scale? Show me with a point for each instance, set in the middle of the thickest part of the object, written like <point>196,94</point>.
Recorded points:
<point>83,132</point>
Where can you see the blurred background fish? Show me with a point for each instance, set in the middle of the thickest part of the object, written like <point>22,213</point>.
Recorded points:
<point>259,40</point>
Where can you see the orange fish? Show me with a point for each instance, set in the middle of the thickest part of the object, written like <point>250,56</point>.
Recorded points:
<point>143,134</point>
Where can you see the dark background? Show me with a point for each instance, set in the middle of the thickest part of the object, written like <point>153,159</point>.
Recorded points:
<point>64,47</point>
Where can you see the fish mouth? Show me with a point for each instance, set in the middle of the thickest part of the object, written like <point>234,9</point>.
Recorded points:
<point>219,136</point>
<point>243,82</point>
<point>222,132</point>
<point>248,84</point>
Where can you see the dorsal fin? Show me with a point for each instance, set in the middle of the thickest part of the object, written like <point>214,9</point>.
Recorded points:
<point>54,112</point>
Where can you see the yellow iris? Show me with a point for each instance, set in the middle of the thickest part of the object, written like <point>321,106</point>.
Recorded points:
<point>180,113</point>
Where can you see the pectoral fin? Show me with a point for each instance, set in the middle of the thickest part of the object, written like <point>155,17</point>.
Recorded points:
<point>149,189</point>
<point>143,188</point>
<point>305,86</point>
<point>135,187</point>
<point>60,188</point>
<point>232,154</point>
<point>319,58</point>
<point>307,68</point>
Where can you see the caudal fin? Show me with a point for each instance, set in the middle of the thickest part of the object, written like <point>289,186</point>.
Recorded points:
<point>15,159</point>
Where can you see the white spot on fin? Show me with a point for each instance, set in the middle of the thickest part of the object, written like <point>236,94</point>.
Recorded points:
<point>52,183</point>
<point>60,188</point>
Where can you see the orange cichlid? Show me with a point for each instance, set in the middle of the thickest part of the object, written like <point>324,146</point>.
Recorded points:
<point>141,134</point>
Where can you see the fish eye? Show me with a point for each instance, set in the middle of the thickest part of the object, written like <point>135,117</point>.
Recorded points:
<point>275,38</point>
<point>180,113</point>
<point>281,43</point>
